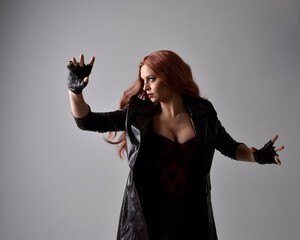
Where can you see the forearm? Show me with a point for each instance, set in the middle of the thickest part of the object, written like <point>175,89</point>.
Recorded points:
<point>79,107</point>
<point>243,153</point>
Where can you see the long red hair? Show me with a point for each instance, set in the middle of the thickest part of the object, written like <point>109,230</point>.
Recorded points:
<point>172,71</point>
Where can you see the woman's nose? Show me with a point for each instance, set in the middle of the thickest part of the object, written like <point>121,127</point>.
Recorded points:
<point>146,86</point>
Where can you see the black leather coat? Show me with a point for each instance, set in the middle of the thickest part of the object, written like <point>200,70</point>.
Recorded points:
<point>135,120</point>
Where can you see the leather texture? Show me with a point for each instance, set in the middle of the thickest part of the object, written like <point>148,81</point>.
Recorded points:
<point>135,121</point>
<point>266,154</point>
<point>76,75</point>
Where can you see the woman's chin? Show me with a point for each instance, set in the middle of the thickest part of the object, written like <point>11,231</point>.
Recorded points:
<point>154,100</point>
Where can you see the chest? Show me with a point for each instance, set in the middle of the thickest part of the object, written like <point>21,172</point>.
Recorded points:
<point>179,129</point>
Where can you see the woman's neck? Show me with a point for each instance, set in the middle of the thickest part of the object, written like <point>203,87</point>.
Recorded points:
<point>173,107</point>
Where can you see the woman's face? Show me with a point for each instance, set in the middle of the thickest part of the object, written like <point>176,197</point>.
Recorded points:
<point>156,90</point>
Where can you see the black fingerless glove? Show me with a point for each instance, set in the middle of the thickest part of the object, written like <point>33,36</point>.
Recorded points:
<point>266,154</point>
<point>76,75</point>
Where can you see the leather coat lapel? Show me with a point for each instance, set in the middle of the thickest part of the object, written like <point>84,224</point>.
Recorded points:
<point>139,117</point>
<point>201,114</point>
<point>198,114</point>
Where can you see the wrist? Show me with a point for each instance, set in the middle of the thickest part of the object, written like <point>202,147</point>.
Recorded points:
<point>75,95</point>
<point>243,153</point>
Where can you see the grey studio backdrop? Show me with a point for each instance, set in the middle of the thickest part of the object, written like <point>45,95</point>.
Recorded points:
<point>60,183</point>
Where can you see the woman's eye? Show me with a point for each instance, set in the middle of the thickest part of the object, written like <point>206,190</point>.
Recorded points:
<point>151,79</point>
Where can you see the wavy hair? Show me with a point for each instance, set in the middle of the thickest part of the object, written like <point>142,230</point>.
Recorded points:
<point>171,70</point>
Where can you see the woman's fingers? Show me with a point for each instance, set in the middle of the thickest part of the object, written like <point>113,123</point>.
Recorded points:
<point>74,61</point>
<point>278,148</point>
<point>86,79</point>
<point>277,161</point>
<point>274,138</point>
<point>81,60</point>
<point>92,61</point>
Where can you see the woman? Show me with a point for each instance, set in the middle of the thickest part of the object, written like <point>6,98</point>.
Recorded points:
<point>170,134</point>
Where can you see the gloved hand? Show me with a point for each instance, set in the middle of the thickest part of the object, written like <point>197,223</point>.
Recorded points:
<point>265,155</point>
<point>268,153</point>
<point>78,73</point>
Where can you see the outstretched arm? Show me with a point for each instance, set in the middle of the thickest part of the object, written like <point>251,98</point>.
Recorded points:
<point>86,119</point>
<point>267,154</point>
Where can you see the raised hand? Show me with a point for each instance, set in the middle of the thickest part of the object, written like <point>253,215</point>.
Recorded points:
<point>79,74</point>
<point>268,153</point>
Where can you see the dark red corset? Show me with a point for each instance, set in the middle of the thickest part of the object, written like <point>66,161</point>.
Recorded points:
<point>169,181</point>
<point>173,165</point>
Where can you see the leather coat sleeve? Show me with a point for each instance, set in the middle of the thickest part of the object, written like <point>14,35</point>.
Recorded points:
<point>103,121</point>
<point>225,143</point>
